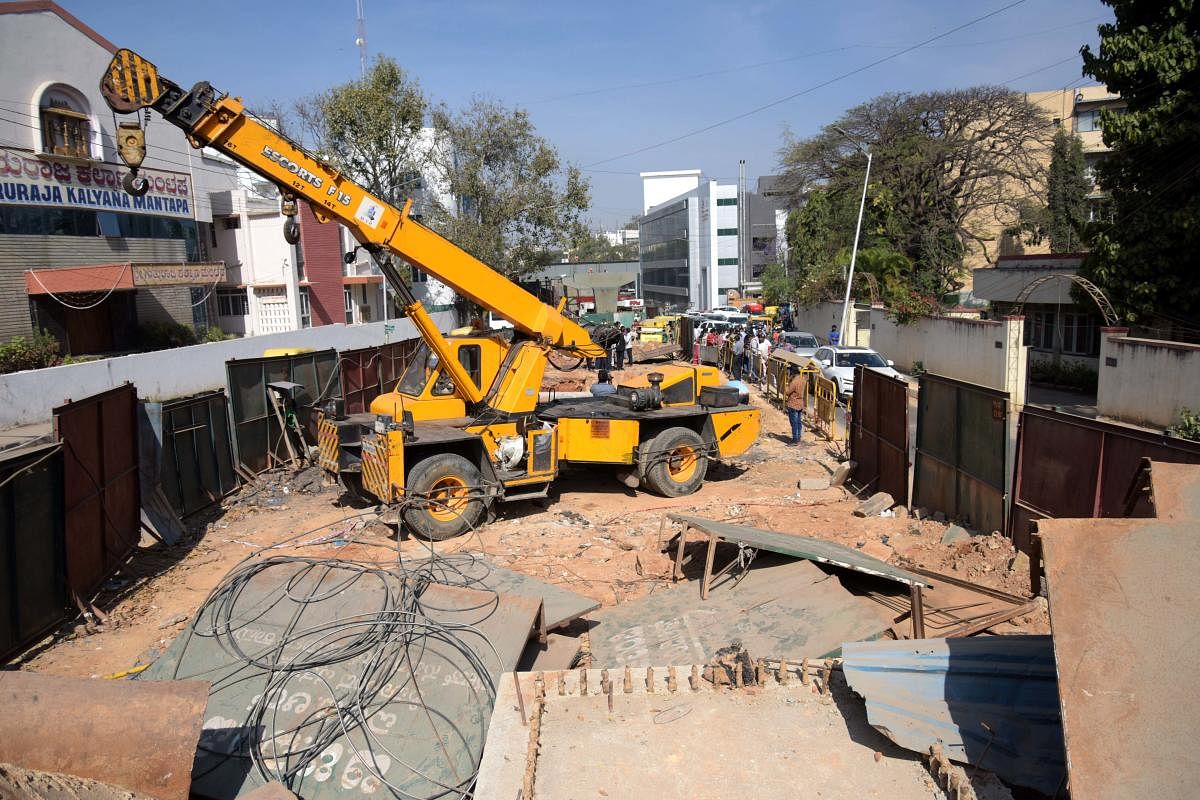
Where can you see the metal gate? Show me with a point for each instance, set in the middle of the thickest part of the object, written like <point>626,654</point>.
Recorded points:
<point>33,594</point>
<point>879,433</point>
<point>961,443</point>
<point>393,360</point>
<point>99,435</point>
<point>1077,468</point>
<point>196,468</point>
<point>256,431</point>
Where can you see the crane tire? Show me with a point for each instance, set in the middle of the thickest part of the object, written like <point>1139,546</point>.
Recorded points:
<point>677,462</point>
<point>445,497</point>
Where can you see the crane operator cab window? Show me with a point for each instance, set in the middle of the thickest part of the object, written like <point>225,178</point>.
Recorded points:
<point>424,368</point>
<point>471,358</point>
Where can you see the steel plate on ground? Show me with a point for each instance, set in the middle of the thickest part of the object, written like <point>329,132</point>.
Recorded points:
<point>782,608</point>
<point>561,605</point>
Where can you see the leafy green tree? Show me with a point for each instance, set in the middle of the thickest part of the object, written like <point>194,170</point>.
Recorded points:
<point>515,200</point>
<point>371,129</point>
<point>1067,191</point>
<point>1144,257</point>
<point>945,165</point>
<point>777,285</point>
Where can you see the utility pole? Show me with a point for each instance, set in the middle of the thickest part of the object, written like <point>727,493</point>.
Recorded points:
<point>857,230</point>
<point>361,41</point>
<point>741,225</point>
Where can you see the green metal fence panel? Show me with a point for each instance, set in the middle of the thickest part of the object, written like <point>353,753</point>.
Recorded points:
<point>256,432</point>
<point>196,468</point>
<point>961,445</point>
<point>33,589</point>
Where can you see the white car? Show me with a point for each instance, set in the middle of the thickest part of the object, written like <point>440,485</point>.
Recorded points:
<point>838,363</point>
<point>798,342</point>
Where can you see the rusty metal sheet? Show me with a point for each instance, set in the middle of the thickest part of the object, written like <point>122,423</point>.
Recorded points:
<point>781,608</point>
<point>360,378</point>
<point>99,435</point>
<point>1123,608</point>
<point>1175,491</point>
<point>1074,467</point>
<point>879,437</point>
<point>427,674</point>
<point>393,360</point>
<point>196,468</point>
<point>806,547</point>
<point>991,702</point>
<point>137,735</point>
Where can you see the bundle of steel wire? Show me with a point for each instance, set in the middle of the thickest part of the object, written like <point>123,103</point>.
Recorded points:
<point>379,654</point>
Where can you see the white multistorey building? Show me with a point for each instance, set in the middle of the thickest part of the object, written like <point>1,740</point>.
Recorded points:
<point>689,242</point>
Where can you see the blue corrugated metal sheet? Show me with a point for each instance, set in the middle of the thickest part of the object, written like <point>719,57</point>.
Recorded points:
<point>990,701</point>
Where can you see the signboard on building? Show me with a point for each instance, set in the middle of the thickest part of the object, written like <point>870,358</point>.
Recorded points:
<point>195,274</point>
<point>28,179</point>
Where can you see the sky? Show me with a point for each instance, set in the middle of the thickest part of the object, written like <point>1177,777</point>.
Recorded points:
<point>618,87</point>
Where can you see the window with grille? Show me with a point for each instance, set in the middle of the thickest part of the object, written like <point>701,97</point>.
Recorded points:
<point>348,297</point>
<point>66,132</point>
<point>305,308</point>
<point>232,303</point>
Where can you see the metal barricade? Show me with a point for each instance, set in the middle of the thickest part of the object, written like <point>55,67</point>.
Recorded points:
<point>825,407</point>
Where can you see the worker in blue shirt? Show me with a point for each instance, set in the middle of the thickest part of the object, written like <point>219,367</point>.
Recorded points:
<point>603,385</point>
<point>835,338</point>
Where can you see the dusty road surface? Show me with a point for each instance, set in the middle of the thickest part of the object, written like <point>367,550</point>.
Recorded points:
<point>593,536</point>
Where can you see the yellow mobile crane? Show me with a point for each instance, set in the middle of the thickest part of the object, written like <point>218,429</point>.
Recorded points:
<point>463,428</point>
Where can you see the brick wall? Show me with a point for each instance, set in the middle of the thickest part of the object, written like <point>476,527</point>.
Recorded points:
<point>322,268</point>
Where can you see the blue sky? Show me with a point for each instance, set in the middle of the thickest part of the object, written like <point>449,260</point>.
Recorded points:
<point>603,79</point>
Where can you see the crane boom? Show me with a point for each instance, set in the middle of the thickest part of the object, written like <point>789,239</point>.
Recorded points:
<point>219,121</point>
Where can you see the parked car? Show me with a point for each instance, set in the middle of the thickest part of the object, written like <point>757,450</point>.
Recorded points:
<point>799,342</point>
<point>838,363</point>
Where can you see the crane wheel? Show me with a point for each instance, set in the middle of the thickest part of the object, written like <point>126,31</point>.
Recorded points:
<point>677,462</point>
<point>445,497</point>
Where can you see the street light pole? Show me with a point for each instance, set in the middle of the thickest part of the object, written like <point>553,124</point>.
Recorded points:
<point>857,230</point>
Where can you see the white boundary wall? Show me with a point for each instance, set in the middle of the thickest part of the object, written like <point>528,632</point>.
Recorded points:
<point>28,397</point>
<point>1146,381</point>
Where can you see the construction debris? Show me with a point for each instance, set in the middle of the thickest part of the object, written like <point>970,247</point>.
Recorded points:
<point>874,505</point>
<point>955,533</point>
<point>140,737</point>
<point>719,741</point>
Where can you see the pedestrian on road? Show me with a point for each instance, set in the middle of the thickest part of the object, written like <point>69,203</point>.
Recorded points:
<point>628,346</point>
<point>764,353</point>
<point>794,395</point>
<point>751,354</point>
<point>739,355</point>
<point>618,352</point>
<point>835,338</point>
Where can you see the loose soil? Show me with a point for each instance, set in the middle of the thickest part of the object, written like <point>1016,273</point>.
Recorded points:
<point>593,536</point>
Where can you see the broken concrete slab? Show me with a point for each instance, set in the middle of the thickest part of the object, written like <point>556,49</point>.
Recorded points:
<point>842,473</point>
<point>813,484</point>
<point>559,652</point>
<point>761,741</point>
<point>955,533</point>
<point>874,505</point>
<point>140,736</point>
<point>781,607</point>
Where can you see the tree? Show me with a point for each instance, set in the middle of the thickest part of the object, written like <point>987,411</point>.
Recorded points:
<point>589,246</point>
<point>371,129</point>
<point>1067,191</point>
<point>515,201</point>
<point>948,169</point>
<point>1144,257</point>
